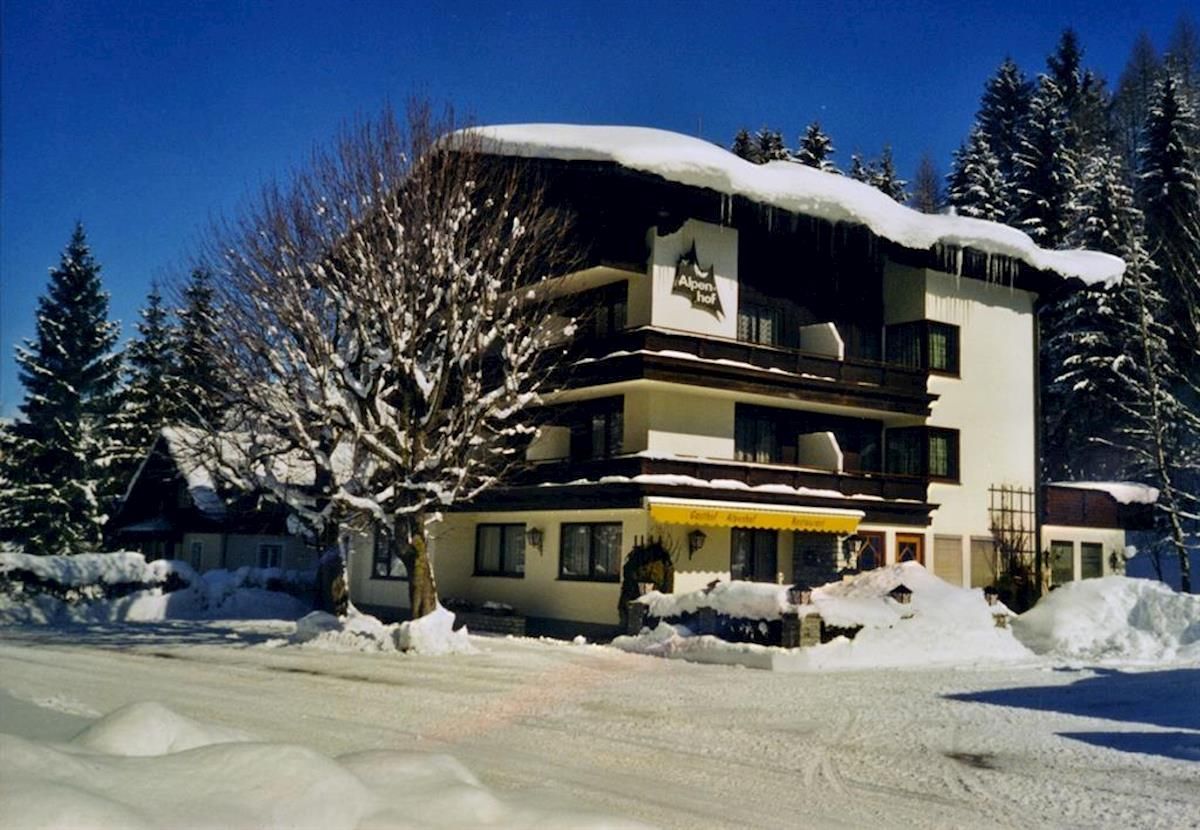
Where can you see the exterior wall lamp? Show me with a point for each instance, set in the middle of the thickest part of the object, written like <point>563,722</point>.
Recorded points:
<point>534,537</point>
<point>696,540</point>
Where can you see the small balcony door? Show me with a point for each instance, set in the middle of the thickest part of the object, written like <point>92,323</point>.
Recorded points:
<point>754,554</point>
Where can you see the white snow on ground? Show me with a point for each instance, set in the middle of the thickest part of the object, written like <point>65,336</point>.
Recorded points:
<point>1125,492</point>
<point>432,634</point>
<point>787,185</point>
<point>941,625</point>
<point>1115,618</point>
<point>145,766</point>
<point>549,729</point>
<point>94,568</point>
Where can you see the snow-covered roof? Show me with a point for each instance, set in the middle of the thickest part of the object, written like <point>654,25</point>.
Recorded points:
<point>1125,492</point>
<point>789,186</point>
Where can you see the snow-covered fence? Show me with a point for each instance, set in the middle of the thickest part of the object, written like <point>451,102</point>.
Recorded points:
<point>738,612</point>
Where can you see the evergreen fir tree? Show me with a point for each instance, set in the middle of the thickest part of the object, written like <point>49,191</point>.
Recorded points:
<point>743,146</point>
<point>57,456</point>
<point>1183,58</point>
<point>202,392</point>
<point>886,179</point>
<point>816,149</point>
<point>150,400</point>
<point>1131,102</point>
<point>1045,170</point>
<point>927,187</point>
<point>769,146</point>
<point>1169,187</point>
<point>976,183</point>
<point>859,171</point>
<point>1003,111</point>
<point>1082,335</point>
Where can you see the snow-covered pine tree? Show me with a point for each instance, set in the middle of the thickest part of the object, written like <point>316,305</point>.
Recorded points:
<point>816,149</point>
<point>1183,57</point>
<point>860,171</point>
<point>1045,169</point>
<point>1003,111</point>
<point>769,146</point>
<point>202,393</point>
<point>885,178</point>
<point>1169,187</point>
<point>57,455</point>
<point>744,147</point>
<point>150,398</point>
<point>976,183</point>
<point>1081,334</point>
<point>1131,101</point>
<point>1158,432</point>
<point>927,187</point>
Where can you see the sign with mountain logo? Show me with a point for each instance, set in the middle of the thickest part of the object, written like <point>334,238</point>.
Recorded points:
<point>699,285</point>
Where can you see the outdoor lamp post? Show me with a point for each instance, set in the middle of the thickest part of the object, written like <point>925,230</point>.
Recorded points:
<point>800,594</point>
<point>901,593</point>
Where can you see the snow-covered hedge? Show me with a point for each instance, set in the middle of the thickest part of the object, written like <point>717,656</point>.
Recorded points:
<point>111,587</point>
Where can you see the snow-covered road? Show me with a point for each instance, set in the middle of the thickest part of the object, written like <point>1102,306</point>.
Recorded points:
<point>668,743</point>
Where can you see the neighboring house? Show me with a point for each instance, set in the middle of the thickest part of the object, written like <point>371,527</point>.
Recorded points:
<point>174,508</point>
<point>1085,526</point>
<point>781,371</point>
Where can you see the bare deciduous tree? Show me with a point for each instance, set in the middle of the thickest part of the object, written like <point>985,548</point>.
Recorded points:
<point>384,328</point>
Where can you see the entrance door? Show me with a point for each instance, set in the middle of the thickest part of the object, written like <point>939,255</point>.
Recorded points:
<point>753,554</point>
<point>910,548</point>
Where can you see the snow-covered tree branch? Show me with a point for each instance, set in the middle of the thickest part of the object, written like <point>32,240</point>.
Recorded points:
<point>383,330</point>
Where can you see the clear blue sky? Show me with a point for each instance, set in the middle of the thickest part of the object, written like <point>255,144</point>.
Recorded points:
<point>144,120</point>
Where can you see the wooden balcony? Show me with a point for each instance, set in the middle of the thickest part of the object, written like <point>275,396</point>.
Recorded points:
<point>700,360</point>
<point>829,484</point>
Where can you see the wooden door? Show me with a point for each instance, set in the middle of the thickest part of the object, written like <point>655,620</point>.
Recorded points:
<point>910,548</point>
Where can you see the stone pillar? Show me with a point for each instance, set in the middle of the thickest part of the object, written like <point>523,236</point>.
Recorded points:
<point>790,633</point>
<point>810,630</point>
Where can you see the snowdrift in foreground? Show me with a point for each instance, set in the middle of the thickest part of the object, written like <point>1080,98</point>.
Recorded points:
<point>1113,618</point>
<point>432,634</point>
<point>146,766</point>
<point>942,625</point>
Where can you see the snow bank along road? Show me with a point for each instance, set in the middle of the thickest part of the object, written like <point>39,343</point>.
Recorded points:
<point>665,742</point>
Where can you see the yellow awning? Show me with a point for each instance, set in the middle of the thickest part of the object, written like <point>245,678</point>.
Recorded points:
<point>731,514</point>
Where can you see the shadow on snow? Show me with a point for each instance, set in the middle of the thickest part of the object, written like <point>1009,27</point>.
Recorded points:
<point>1158,698</point>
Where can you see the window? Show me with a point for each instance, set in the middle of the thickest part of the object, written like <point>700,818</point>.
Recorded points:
<point>923,451</point>
<point>924,344</point>
<point>753,554</point>
<point>197,555</point>
<point>984,567</point>
<point>270,556</point>
<point>598,429</point>
<point>1091,564</point>
<point>1062,562</point>
<point>869,551</point>
<point>500,550</point>
<point>608,315</point>
<point>591,551</point>
<point>760,324</point>
<point>385,559</point>
<point>755,438</point>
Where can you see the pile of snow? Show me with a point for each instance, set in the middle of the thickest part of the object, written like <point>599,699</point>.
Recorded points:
<point>146,766</point>
<point>789,186</point>
<point>358,632</point>
<point>941,625</point>
<point>77,590</point>
<point>1115,618</point>
<point>1125,492</point>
